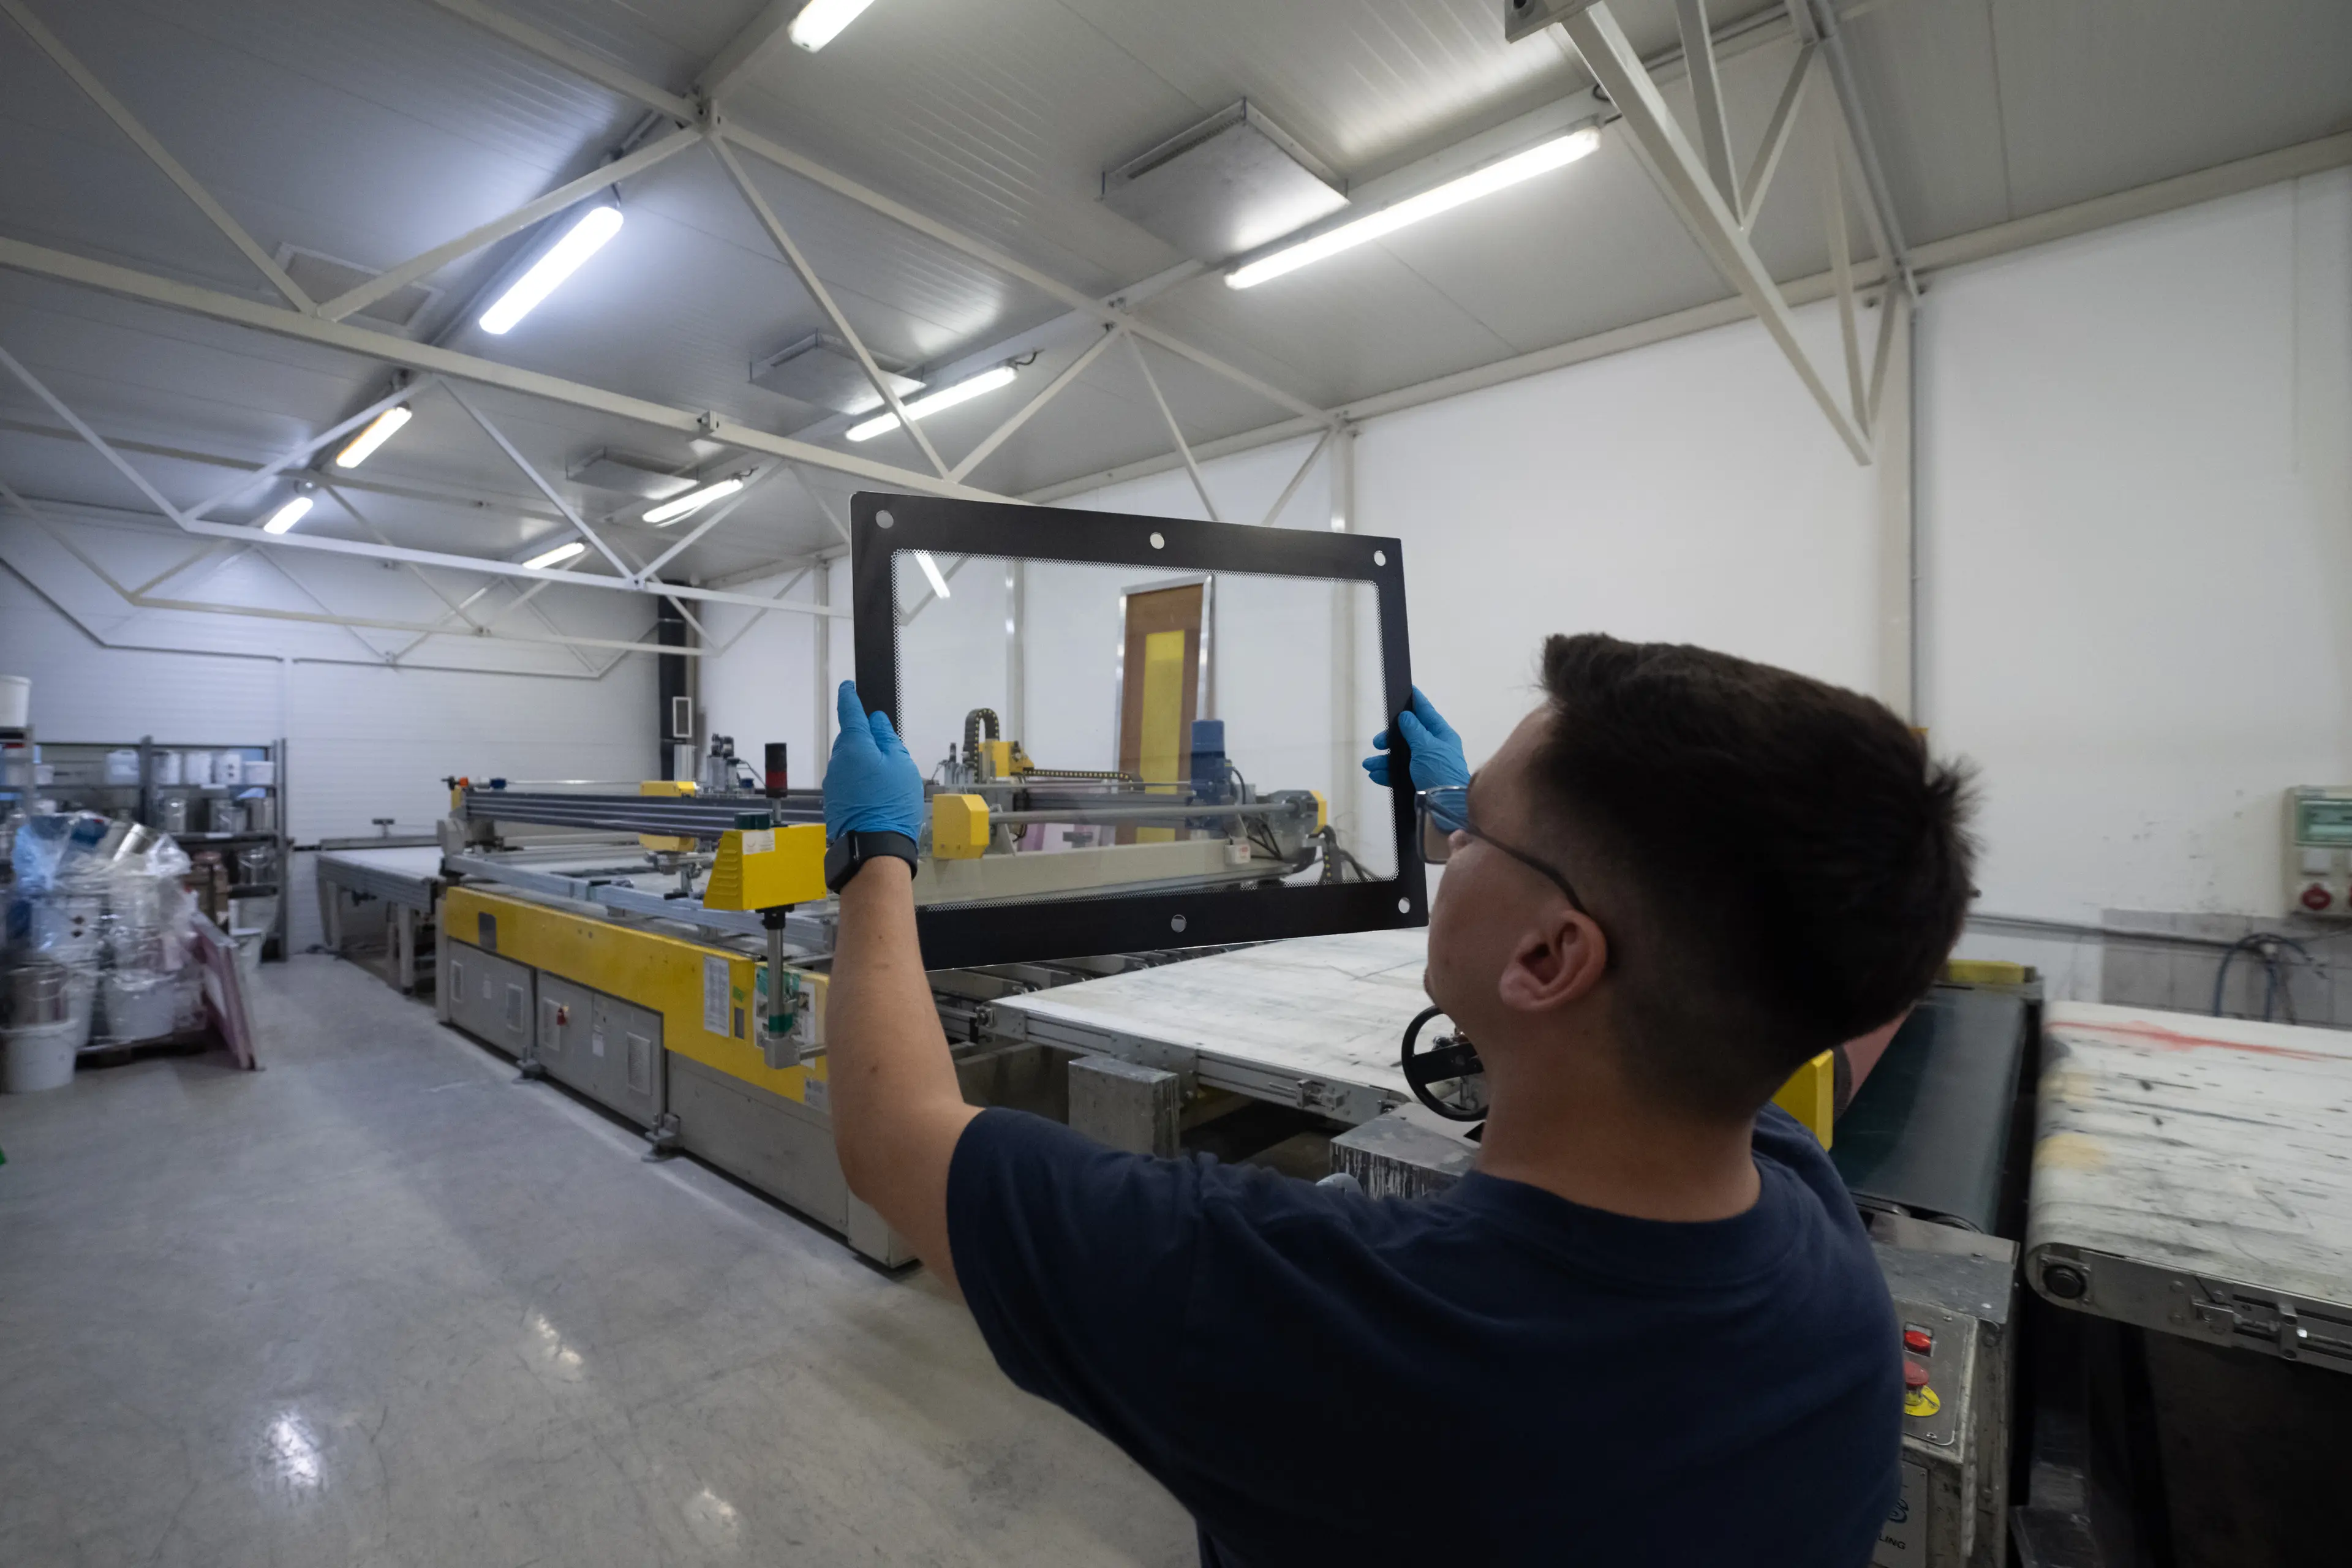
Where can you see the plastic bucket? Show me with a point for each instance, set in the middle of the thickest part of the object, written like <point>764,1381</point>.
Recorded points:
<point>15,702</point>
<point>40,1056</point>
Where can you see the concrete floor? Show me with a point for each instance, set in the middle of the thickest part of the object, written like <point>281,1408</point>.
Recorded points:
<point>378,1304</point>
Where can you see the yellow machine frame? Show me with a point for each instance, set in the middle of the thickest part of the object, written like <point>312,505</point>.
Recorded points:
<point>679,979</point>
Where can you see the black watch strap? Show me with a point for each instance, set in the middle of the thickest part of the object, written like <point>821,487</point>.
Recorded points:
<point>846,854</point>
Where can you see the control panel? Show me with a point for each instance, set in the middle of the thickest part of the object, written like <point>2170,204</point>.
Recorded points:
<point>2318,860</point>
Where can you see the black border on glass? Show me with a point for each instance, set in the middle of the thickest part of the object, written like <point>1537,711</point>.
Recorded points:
<point>1006,933</point>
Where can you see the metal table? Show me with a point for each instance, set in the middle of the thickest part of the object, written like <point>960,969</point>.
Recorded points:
<point>409,881</point>
<point>2194,1175</point>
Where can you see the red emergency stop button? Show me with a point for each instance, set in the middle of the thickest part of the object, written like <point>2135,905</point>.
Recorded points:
<point>1913,1375</point>
<point>1918,1341</point>
<point>2316,898</point>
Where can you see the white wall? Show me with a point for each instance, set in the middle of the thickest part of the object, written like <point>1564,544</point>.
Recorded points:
<point>362,741</point>
<point>2138,593</point>
<point>766,687</point>
<point>2135,492</point>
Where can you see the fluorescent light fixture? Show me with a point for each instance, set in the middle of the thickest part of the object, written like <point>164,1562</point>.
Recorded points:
<point>584,239</point>
<point>1493,177</point>
<point>557,556</point>
<point>946,397</point>
<point>382,429</point>
<point>821,21</point>
<point>693,501</point>
<point>287,516</point>
<point>931,569</point>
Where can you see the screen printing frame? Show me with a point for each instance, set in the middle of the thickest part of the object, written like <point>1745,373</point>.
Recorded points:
<point>882,525</point>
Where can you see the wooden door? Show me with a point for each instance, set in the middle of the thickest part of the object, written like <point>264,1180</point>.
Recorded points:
<point>1160,695</point>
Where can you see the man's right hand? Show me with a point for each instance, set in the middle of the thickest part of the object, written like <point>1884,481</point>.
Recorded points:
<point>1437,759</point>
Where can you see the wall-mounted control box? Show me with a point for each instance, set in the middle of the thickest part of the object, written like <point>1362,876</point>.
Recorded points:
<point>2318,859</point>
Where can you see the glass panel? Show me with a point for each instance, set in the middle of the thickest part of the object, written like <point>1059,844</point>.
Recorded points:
<point>1125,732</point>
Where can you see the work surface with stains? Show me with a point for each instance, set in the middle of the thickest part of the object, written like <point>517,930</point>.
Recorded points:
<point>2216,1146</point>
<point>1326,1007</point>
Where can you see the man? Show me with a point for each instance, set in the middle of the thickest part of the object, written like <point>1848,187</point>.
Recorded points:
<point>1648,1328</point>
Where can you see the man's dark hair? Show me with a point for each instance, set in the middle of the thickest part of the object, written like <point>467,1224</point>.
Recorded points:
<point>1780,863</point>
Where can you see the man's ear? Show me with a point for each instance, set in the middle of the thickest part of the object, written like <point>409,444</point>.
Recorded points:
<point>1554,963</point>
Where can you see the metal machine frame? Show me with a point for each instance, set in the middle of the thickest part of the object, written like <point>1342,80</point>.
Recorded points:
<point>883,525</point>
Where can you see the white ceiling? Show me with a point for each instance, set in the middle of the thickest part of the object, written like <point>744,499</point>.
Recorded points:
<point>372,129</point>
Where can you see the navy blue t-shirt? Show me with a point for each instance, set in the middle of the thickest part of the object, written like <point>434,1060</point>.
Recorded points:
<point>1496,1375</point>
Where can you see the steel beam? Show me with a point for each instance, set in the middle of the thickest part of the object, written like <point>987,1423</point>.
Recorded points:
<point>1176,433</point>
<point>578,61</point>
<point>1776,135</point>
<point>128,125</point>
<point>823,297</point>
<point>1886,223</point>
<point>1306,466</point>
<point>755,41</point>
<point>712,517</point>
<point>1691,191</point>
<point>1706,99</point>
<point>304,453</point>
<point>552,47</point>
<point>498,229</point>
<point>518,506</point>
<point>1076,299</point>
<point>571,514</point>
<point>1021,416</point>
<point>2304,158</point>
<point>391,349</point>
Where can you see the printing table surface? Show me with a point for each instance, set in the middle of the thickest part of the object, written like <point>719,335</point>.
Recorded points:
<point>406,874</point>
<point>2218,1147</point>
<point>1332,1008</point>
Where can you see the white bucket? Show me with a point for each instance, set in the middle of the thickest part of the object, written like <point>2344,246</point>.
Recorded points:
<point>15,702</point>
<point>196,769</point>
<point>40,1056</point>
<point>139,1007</point>
<point>167,768</point>
<point>260,771</point>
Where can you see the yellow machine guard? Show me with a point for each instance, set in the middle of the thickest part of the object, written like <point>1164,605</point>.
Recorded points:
<point>768,868</point>
<point>691,986</point>
<point>1811,1096</point>
<point>959,827</point>
<point>661,841</point>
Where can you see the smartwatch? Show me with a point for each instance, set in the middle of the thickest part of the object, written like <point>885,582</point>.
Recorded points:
<point>845,855</point>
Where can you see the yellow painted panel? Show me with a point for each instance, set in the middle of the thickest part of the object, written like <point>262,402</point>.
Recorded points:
<point>768,869</point>
<point>1811,1096</point>
<point>684,982</point>
<point>959,827</point>
<point>669,789</point>
<point>1985,972</point>
<point>1162,749</point>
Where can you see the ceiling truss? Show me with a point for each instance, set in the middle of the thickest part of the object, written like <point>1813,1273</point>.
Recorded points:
<point>696,123</point>
<point>1718,205</point>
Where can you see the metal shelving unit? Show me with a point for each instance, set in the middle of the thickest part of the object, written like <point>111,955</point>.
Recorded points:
<point>78,781</point>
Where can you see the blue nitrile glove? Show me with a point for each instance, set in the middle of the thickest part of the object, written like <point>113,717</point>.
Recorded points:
<point>871,784</point>
<point>1437,759</point>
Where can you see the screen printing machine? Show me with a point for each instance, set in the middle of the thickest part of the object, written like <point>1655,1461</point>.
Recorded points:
<point>1118,948</point>
<point>638,971</point>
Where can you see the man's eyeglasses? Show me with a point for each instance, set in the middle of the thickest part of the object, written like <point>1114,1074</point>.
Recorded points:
<point>1445,812</point>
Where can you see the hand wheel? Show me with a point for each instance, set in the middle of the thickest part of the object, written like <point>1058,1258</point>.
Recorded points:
<point>1448,1078</point>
